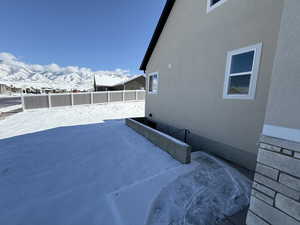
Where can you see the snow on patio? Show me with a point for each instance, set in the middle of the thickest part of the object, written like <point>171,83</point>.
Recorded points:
<point>104,173</point>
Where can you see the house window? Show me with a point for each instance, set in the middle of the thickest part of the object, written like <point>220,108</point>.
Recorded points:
<point>241,72</point>
<point>153,83</point>
<point>212,4</point>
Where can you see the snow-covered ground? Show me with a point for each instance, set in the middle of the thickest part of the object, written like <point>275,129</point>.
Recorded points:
<point>76,166</point>
<point>10,108</point>
<point>43,119</point>
<point>10,95</point>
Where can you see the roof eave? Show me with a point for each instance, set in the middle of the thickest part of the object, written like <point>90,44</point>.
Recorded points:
<point>129,80</point>
<point>158,30</point>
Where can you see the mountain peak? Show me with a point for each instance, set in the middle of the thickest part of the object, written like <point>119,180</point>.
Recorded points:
<point>19,74</point>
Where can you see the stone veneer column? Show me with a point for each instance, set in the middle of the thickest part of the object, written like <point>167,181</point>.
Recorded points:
<point>275,196</point>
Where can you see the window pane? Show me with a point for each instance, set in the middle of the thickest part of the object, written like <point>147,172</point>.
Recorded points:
<point>239,84</point>
<point>242,62</point>
<point>212,2</point>
<point>153,83</point>
<point>150,83</point>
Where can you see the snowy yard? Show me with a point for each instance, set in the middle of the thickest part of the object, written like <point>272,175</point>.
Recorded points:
<point>76,166</point>
<point>43,119</point>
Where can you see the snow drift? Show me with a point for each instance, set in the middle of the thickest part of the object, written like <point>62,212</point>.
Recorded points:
<point>203,196</point>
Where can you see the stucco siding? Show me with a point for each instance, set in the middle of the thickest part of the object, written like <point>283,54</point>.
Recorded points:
<point>284,101</point>
<point>190,58</point>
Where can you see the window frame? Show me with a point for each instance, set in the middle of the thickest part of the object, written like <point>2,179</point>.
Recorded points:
<point>216,5</point>
<point>257,48</point>
<point>150,75</point>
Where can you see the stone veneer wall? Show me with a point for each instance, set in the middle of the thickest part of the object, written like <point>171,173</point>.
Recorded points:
<point>275,196</point>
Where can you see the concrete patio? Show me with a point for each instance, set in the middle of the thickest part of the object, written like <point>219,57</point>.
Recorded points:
<point>90,174</point>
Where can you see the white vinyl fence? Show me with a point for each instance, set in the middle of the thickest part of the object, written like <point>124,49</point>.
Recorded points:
<point>73,99</point>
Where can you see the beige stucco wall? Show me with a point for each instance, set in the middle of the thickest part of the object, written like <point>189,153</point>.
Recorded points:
<point>190,94</point>
<point>284,101</point>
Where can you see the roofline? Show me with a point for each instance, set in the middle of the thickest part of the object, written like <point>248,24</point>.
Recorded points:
<point>122,82</point>
<point>131,79</point>
<point>158,30</point>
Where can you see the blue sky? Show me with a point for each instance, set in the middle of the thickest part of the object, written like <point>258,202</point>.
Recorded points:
<point>98,34</point>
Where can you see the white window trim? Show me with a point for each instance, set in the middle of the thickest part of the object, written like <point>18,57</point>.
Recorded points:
<point>254,73</point>
<point>153,92</point>
<point>210,8</point>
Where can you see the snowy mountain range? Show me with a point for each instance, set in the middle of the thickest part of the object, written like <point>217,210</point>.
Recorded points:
<point>19,74</point>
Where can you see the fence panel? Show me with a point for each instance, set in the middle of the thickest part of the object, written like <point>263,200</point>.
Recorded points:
<point>130,95</point>
<point>100,97</point>
<point>141,95</point>
<point>82,99</point>
<point>116,96</point>
<point>61,100</point>
<point>35,102</point>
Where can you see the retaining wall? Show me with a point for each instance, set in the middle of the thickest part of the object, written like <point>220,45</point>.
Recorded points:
<point>177,149</point>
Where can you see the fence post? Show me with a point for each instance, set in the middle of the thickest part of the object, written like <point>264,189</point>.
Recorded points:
<point>72,99</point>
<point>136,95</point>
<point>92,98</point>
<point>49,100</point>
<point>23,103</point>
<point>123,95</point>
<point>108,96</point>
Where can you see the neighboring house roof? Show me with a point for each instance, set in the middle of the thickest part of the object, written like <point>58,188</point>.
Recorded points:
<point>131,79</point>
<point>113,81</point>
<point>109,81</point>
<point>159,28</point>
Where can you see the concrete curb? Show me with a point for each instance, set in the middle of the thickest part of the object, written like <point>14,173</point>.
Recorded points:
<point>176,148</point>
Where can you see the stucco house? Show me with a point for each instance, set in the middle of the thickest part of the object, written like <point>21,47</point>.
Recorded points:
<point>3,88</point>
<point>229,72</point>
<point>6,89</point>
<point>117,84</point>
<point>134,83</point>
